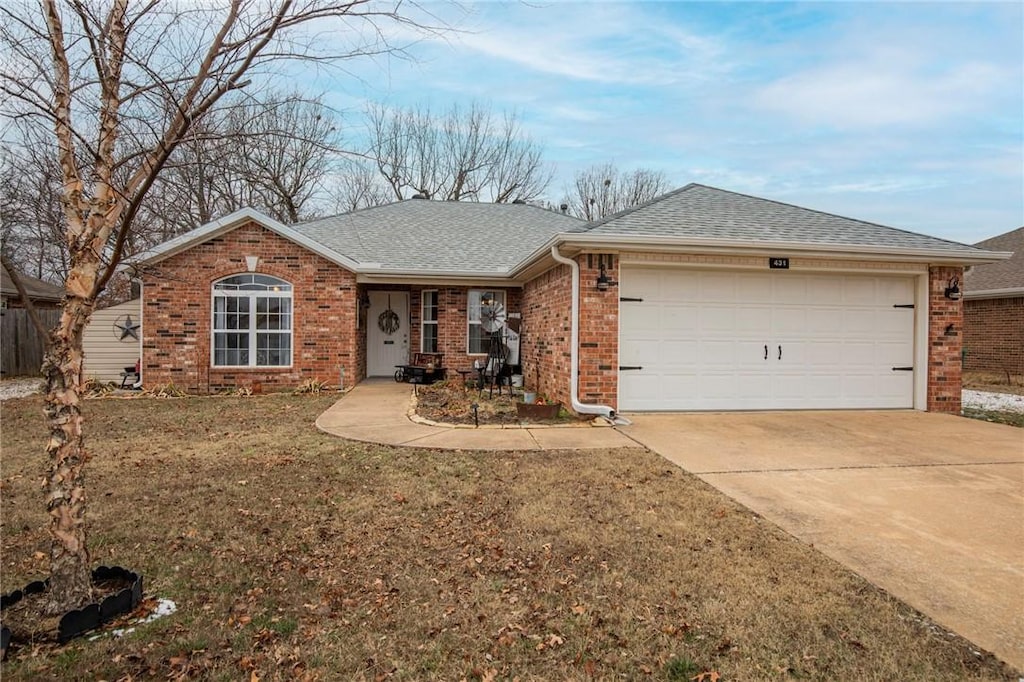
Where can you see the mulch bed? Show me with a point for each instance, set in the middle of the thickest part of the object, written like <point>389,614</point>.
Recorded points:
<point>450,402</point>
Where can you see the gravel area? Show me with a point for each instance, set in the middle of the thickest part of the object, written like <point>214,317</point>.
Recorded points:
<point>1004,402</point>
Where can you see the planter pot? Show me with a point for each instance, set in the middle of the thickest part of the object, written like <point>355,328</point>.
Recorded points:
<point>537,412</point>
<point>91,616</point>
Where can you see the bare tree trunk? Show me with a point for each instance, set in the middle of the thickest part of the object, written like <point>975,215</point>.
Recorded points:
<point>70,572</point>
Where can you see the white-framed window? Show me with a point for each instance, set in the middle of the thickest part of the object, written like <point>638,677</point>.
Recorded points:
<point>252,322</point>
<point>479,341</point>
<point>428,321</point>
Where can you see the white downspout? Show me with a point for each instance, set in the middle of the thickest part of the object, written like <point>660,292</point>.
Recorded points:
<point>574,362</point>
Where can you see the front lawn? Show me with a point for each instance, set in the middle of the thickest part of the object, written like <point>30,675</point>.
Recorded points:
<point>295,555</point>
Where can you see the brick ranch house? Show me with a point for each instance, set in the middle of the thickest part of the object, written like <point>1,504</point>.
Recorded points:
<point>708,300</point>
<point>994,309</point>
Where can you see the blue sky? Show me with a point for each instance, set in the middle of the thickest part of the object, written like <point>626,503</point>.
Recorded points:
<point>908,114</point>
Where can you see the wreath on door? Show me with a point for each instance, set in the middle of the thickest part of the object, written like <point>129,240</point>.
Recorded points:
<point>388,321</point>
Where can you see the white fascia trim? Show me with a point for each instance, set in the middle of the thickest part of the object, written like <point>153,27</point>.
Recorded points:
<point>624,243</point>
<point>436,279</point>
<point>233,220</point>
<point>1012,292</point>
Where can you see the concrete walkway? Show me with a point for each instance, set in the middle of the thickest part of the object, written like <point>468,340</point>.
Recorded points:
<point>377,411</point>
<point>929,507</point>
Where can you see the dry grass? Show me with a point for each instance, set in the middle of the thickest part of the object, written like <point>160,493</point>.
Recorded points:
<point>295,555</point>
<point>995,382</point>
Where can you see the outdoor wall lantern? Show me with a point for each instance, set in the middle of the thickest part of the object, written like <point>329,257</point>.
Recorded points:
<point>603,280</point>
<point>953,290</point>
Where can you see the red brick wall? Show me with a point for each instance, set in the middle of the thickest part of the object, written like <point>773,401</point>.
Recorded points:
<point>547,309</point>
<point>599,331</point>
<point>176,315</point>
<point>452,319</point>
<point>944,366</point>
<point>994,335</point>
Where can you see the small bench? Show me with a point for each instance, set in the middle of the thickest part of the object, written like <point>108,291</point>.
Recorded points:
<point>425,368</point>
<point>129,373</point>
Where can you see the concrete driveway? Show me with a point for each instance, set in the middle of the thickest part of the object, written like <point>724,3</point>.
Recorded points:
<point>929,507</point>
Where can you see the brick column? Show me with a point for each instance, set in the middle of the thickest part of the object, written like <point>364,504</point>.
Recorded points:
<point>945,341</point>
<point>599,331</point>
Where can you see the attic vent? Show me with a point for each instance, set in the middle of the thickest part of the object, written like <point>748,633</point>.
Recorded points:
<point>565,208</point>
<point>421,195</point>
<point>519,201</point>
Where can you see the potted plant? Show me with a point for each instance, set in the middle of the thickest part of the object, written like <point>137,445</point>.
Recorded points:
<point>536,407</point>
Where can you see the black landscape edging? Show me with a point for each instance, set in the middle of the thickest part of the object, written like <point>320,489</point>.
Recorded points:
<point>76,623</point>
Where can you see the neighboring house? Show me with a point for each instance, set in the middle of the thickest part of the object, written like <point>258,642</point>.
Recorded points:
<point>112,341</point>
<point>994,309</point>
<point>43,294</point>
<point>701,299</point>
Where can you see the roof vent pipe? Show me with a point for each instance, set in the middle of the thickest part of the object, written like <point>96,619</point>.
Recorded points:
<point>574,352</point>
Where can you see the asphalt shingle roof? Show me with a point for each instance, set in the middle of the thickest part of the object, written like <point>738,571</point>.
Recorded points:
<point>440,236</point>
<point>702,212</point>
<point>1007,274</point>
<point>36,289</point>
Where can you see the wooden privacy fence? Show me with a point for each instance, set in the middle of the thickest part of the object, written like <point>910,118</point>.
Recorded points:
<point>21,349</point>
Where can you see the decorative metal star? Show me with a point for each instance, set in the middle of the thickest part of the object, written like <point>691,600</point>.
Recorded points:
<point>127,328</point>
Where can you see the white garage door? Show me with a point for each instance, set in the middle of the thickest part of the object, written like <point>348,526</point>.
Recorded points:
<point>710,340</point>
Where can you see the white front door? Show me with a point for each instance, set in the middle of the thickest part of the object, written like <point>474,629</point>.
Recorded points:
<point>727,340</point>
<point>387,332</point>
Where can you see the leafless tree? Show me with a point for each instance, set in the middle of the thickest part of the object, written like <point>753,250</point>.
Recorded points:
<point>120,88</point>
<point>600,191</point>
<point>31,217</point>
<point>358,185</point>
<point>463,154</point>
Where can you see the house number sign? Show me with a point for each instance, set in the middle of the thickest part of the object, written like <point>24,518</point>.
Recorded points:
<point>778,263</point>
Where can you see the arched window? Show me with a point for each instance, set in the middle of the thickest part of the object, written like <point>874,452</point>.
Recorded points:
<point>252,322</point>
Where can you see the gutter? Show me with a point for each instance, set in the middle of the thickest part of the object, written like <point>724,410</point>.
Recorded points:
<point>1011,292</point>
<point>623,244</point>
<point>574,362</point>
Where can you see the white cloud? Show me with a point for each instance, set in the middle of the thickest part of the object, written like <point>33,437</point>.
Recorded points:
<point>887,89</point>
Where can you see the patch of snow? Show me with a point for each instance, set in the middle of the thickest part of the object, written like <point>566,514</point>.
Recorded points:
<point>19,388</point>
<point>164,607</point>
<point>1003,402</point>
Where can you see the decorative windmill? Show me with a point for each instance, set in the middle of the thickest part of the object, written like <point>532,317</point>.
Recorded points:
<point>493,319</point>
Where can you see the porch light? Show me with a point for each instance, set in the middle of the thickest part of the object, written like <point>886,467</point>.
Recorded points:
<point>953,290</point>
<point>603,280</point>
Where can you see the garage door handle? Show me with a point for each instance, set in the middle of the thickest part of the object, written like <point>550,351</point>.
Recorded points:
<point>780,352</point>
<point>623,368</point>
<point>766,351</point>
<point>903,369</point>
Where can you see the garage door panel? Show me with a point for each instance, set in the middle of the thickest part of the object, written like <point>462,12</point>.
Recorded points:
<point>751,321</point>
<point>635,319</point>
<point>701,336</point>
<point>720,287</point>
<point>755,289</point>
<point>680,319</point>
<point>824,321</point>
<point>892,323</point>
<point>635,350</point>
<point>787,319</point>
<point>789,289</point>
<point>826,290</point>
<point>860,291</point>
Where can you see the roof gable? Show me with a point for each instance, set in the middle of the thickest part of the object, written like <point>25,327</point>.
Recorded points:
<point>233,221</point>
<point>1003,275</point>
<point>706,213</point>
